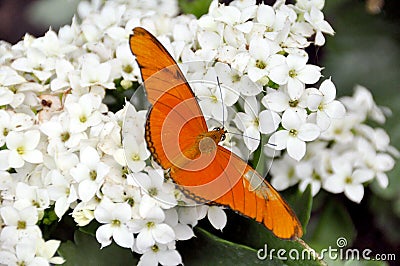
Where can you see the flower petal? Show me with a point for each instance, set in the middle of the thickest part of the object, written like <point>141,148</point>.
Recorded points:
<point>334,184</point>
<point>308,132</point>
<point>296,148</point>
<point>123,237</point>
<point>217,217</point>
<point>292,119</point>
<point>33,156</point>
<point>276,101</point>
<point>354,192</point>
<point>328,89</point>
<point>278,140</point>
<point>104,234</point>
<point>170,257</point>
<point>335,109</point>
<point>163,233</point>
<point>309,74</point>
<point>268,121</point>
<point>144,239</point>
<point>251,138</point>
<point>295,88</point>
<point>31,139</point>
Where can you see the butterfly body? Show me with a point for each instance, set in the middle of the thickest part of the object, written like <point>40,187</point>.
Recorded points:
<point>179,140</point>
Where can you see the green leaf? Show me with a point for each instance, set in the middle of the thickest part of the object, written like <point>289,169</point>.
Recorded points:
<point>333,223</point>
<point>195,7</point>
<point>385,219</point>
<point>85,250</point>
<point>301,202</point>
<point>365,263</point>
<point>254,235</point>
<point>91,228</point>
<point>207,249</point>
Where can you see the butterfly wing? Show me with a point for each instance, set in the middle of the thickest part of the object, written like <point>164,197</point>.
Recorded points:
<point>173,127</point>
<point>231,182</point>
<point>175,118</point>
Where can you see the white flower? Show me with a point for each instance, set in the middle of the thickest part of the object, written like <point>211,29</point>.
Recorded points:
<point>231,78</point>
<point>35,62</point>
<point>279,101</point>
<point>62,192</point>
<point>306,5</point>
<point>58,131</point>
<point>48,249</point>
<point>160,254</point>
<point>378,163</point>
<point>217,217</point>
<point>348,180</point>
<point>63,69</point>
<point>89,173</point>
<point>134,121</point>
<point>264,62</point>
<point>19,224</point>
<point>182,231</point>
<point>83,213</point>
<point>284,173</point>
<point>327,107</point>
<point>362,103</point>
<point>150,228</point>
<point>252,122</point>
<point>136,153</point>
<point>316,18</point>
<point>95,73</point>
<point>6,96</point>
<point>294,135</point>
<point>340,130</point>
<point>52,46</point>
<point>84,113</point>
<point>128,70</point>
<point>114,217</point>
<point>308,176</point>
<point>26,196</point>
<point>10,121</point>
<point>266,16</point>
<point>9,77</point>
<point>212,103</point>
<point>299,74</point>
<point>64,160</point>
<point>22,147</point>
<point>24,254</point>
<point>239,19</point>
<point>191,215</point>
<point>153,184</point>
<point>209,41</point>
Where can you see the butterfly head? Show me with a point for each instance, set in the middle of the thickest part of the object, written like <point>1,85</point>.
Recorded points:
<point>219,134</point>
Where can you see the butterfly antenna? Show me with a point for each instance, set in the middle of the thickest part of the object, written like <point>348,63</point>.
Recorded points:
<point>222,102</point>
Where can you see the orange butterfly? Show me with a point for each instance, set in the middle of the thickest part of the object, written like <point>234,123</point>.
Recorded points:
<point>178,139</point>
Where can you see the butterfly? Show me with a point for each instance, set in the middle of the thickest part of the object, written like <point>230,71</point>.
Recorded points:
<point>178,138</point>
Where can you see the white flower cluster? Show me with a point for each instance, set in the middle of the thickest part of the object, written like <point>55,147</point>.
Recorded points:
<point>61,148</point>
<point>347,154</point>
